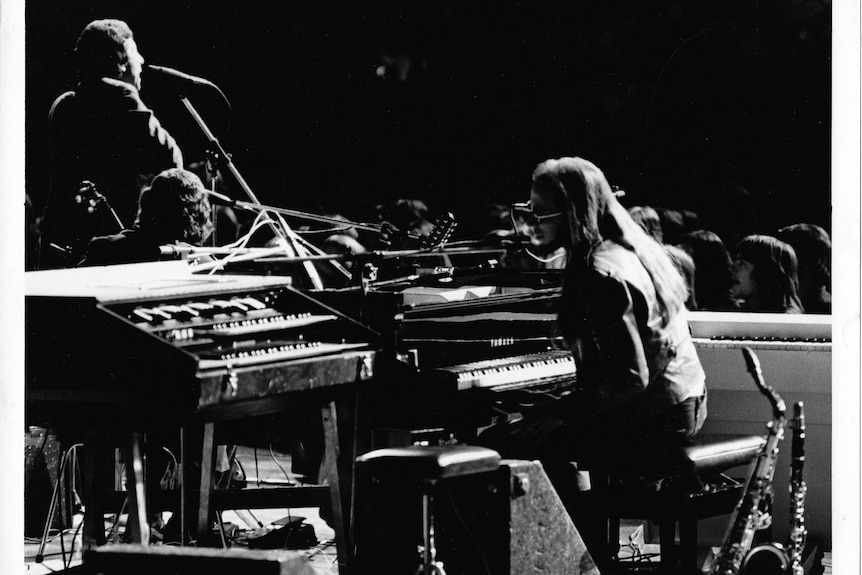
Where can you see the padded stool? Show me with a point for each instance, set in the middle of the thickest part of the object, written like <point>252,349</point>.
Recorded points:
<point>679,486</point>
<point>427,465</point>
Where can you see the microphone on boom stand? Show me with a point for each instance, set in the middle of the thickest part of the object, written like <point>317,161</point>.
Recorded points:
<point>177,76</point>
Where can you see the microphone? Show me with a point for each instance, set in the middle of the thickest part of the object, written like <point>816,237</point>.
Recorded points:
<point>173,251</point>
<point>220,199</point>
<point>180,76</point>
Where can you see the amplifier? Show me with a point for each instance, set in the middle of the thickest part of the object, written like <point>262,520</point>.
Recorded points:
<point>508,521</point>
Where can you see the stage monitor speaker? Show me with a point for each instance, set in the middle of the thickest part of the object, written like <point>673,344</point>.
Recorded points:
<point>505,522</point>
<point>169,560</point>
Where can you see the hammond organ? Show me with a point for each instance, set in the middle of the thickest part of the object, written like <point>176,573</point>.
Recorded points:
<point>176,342</point>
<point>154,347</point>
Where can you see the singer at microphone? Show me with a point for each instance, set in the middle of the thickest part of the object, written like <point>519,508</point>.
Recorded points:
<point>103,132</point>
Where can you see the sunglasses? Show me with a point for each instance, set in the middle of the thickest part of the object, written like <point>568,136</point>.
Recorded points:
<point>522,214</point>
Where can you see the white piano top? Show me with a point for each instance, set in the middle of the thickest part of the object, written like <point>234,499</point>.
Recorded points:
<point>139,281</point>
<point>706,324</point>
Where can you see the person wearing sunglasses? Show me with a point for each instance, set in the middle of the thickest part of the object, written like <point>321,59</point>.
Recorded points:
<point>622,314</point>
<point>541,221</point>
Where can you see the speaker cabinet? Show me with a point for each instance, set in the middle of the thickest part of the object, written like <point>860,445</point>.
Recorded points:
<point>509,521</point>
<point>168,560</point>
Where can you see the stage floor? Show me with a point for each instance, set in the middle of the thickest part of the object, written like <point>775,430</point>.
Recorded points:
<point>270,468</point>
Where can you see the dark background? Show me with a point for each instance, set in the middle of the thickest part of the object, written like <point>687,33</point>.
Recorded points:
<point>341,106</point>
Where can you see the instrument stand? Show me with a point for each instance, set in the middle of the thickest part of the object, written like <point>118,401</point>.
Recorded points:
<point>291,242</point>
<point>211,166</point>
<point>430,565</point>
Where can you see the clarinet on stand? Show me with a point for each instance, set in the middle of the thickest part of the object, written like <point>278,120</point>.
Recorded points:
<point>798,532</point>
<point>774,558</point>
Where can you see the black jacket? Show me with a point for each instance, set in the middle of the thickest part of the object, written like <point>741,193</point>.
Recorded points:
<point>102,132</point>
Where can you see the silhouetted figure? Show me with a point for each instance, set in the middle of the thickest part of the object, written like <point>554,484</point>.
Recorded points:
<point>712,261</point>
<point>173,210</point>
<point>101,132</point>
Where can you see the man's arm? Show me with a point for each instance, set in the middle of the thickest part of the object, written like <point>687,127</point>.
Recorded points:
<point>156,148</point>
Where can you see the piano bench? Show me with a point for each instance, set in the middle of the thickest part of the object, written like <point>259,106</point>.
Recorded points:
<point>429,463</point>
<point>677,487</point>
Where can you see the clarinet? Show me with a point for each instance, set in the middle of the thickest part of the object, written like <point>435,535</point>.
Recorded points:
<point>773,558</point>
<point>798,532</point>
<point>754,510</point>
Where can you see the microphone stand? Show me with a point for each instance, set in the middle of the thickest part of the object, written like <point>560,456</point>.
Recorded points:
<point>291,242</point>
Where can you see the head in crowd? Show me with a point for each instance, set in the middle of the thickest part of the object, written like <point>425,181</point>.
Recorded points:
<point>493,220</point>
<point>341,243</point>
<point>813,249</point>
<point>175,208</point>
<point>106,48</point>
<point>712,262</point>
<point>764,275</point>
<point>408,215</point>
<point>674,223</point>
<point>648,219</point>
<point>592,214</point>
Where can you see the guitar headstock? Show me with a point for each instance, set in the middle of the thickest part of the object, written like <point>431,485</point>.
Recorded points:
<point>444,225</point>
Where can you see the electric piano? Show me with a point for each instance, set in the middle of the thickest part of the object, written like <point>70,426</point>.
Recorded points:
<point>459,316</point>
<point>478,342</point>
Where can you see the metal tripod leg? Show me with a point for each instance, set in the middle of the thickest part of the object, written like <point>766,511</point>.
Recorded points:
<point>430,565</point>
<point>52,508</point>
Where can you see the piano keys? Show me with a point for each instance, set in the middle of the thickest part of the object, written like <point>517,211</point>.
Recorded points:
<point>549,369</point>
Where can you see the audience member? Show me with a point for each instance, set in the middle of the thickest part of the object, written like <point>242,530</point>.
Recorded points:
<point>402,219</point>
<point>764,275</point>
<point>814,253</point>
<point>648,219</point>
<point>712,263</point>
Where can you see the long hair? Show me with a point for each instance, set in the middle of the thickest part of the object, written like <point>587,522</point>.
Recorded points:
<point>775,269</point>
<point>813,248</point>
<point>647,218</point>
<point>100,50</point>
<point>175,208</point>
<point>593,214</point>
